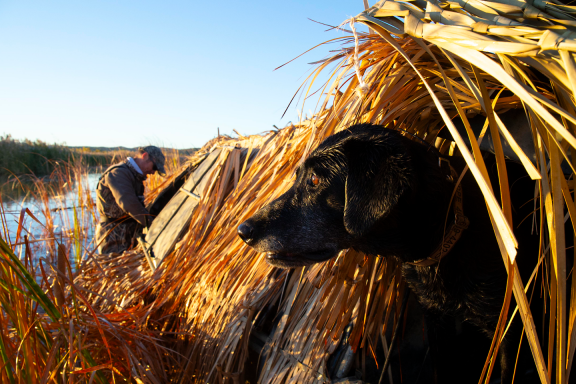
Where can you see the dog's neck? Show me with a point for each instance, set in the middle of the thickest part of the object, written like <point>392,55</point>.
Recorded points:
<point>414,228</point>
<point>452,231</point>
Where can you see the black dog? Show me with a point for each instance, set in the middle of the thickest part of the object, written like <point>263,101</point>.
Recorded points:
<point>376,191</point>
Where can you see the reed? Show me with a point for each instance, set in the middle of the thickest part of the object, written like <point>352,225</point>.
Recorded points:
<point>391,77</point>
<point>19,157</point>
<point>190,320</point>
<point>49,330</point>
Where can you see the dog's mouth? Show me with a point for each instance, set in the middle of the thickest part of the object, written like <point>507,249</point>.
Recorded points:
<point>293,260</point>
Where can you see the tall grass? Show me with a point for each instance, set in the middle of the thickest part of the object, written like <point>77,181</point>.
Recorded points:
<point>49,331</point>
<point>19,157</point>
<point>414,80</point>
<point>189,321</point>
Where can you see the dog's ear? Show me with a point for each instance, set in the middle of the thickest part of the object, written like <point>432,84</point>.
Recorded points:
<point>378,174</point>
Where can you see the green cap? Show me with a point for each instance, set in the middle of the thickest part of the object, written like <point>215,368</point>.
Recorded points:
<point>157,157</point>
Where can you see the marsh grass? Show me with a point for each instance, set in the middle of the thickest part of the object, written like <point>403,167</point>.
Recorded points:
<point>20,157</point>
<point>212,289</point>
<point>49,331</point>
<point>190,320</point>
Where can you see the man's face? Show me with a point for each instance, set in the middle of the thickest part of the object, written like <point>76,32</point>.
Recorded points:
<point>147,165</point>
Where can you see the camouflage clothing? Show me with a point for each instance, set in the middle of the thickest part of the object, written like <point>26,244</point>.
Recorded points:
<point>120,197</point>
<point>121,236</point>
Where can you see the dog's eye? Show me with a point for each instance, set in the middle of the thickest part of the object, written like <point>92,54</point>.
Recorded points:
<point>313,180</point>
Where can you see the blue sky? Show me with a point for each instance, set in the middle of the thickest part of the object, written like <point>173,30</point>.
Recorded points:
<point>130,73</point>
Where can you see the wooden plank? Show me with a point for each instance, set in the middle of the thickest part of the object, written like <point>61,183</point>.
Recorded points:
<point>169,224</point>
<point>193,195</point>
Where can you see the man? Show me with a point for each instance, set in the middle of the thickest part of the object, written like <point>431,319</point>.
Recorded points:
<point>120,200</point>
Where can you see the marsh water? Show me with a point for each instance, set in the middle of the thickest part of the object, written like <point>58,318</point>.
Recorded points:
<point>59,214</point>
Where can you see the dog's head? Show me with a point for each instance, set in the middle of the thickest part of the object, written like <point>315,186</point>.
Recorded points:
<point>351,182</point>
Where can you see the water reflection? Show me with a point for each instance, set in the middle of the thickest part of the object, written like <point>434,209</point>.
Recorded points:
<point>66,214</point>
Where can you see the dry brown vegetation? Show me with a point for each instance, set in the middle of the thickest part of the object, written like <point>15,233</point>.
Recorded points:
<point>49,332</point>
<point>189,321</point>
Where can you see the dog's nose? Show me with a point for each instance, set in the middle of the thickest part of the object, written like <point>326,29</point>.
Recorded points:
<point>246,232</point>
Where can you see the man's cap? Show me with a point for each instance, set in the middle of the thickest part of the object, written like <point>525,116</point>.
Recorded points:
<point>157,157</point>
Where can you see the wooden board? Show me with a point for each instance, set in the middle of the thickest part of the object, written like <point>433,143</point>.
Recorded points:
<point>173,220</point>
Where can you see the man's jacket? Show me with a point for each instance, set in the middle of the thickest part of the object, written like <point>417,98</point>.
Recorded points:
<point>120,192</point>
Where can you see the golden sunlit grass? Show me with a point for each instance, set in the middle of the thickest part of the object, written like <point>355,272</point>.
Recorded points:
<point>189,321</point>
<point>49,331</point>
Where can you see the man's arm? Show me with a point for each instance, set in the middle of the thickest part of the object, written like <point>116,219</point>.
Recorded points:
<point>119,181</point>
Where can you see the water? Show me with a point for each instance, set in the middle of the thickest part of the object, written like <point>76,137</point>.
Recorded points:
<point>56,215</point>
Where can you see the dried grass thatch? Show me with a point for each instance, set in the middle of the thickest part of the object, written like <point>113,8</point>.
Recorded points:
<point>425,64</point>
